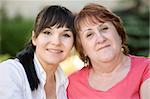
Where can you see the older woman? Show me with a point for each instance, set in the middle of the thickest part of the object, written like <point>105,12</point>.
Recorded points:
<point>109,72</point>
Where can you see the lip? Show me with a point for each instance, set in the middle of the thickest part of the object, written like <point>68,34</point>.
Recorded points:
<point>56,51</point>
<point>102,47</point>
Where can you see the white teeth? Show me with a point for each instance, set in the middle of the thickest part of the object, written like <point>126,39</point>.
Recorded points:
<point>54,51</point>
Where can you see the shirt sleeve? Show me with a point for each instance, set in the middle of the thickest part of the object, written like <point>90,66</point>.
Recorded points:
<point>10,81</point>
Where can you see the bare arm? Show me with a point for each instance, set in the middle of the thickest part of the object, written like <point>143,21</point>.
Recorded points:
<point>145,89</point>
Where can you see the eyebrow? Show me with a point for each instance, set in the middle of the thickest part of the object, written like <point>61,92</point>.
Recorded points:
<point>67,29</point>
<point>86,30</point>
<point>91,29</point>
<point>50,28</point>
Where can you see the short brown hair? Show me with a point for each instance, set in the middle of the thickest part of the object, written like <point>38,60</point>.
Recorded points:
<point>100,14</point>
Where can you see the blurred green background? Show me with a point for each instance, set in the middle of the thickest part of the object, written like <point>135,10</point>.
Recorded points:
<point>15,32</point>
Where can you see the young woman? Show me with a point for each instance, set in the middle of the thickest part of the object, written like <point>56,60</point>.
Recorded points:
<point>35,72</point>
<point>110,72</point>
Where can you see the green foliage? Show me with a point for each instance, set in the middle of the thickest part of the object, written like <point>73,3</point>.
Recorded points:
<point>4,57</point>
<point>14,34</point>
<point>137,28</point>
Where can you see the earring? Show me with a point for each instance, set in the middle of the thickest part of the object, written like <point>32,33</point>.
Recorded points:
<point>122,49</point>
<point>86,60</point>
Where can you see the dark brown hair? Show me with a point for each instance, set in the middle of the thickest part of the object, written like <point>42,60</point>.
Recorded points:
<point>53,15</point>
<point>48,17</point>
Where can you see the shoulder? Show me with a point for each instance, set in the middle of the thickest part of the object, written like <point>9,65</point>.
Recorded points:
<point>141,65</point>
<point>140,60</point>
<point>77,81</point>
<point>78,74</point>
<point>11,68</point>
<point>12,79</point>
<point>10,65</point>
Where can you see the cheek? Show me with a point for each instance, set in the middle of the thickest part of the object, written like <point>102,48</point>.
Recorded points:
<point>118,39</point>
<point>41,41</point>
<point>86,47</point>
<point>118,42</point>
<point>68,43</point>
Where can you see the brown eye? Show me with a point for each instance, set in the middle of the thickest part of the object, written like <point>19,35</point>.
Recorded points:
<point>66,35</point>
<point>104,28</point>
<point>89,34</point>
<point>47,32</point>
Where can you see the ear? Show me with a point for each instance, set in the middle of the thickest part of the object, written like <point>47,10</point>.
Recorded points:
<point>33,38</point>
<point>84,53</point>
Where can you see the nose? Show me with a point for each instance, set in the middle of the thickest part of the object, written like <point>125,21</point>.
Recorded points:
<point>100,37</point>
<point>55,40</point>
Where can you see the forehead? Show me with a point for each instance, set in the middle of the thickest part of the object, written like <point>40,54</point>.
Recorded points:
<point>57,27</point>
<point>93,26</point>
<point>89,20</point>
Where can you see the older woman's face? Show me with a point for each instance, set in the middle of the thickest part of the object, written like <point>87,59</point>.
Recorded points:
<point>100,41</point>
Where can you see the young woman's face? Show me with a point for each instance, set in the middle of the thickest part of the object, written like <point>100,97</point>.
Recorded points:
<point>53,45</point>
<point>101,42</point>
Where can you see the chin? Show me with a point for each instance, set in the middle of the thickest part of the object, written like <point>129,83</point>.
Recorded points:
<point>107,58</point>
<point>53,61</point>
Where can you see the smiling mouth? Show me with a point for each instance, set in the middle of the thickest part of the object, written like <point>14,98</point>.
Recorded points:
<point>56,51</point>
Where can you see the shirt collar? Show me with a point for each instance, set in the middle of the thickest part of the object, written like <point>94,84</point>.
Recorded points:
<point>39,70</point>
<point>61,78</point>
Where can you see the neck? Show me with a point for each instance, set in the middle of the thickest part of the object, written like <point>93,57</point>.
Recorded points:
<point>50,70</point>
<point>108,68</point>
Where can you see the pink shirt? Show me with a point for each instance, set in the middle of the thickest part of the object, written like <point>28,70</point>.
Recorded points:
<point>128,88</point>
